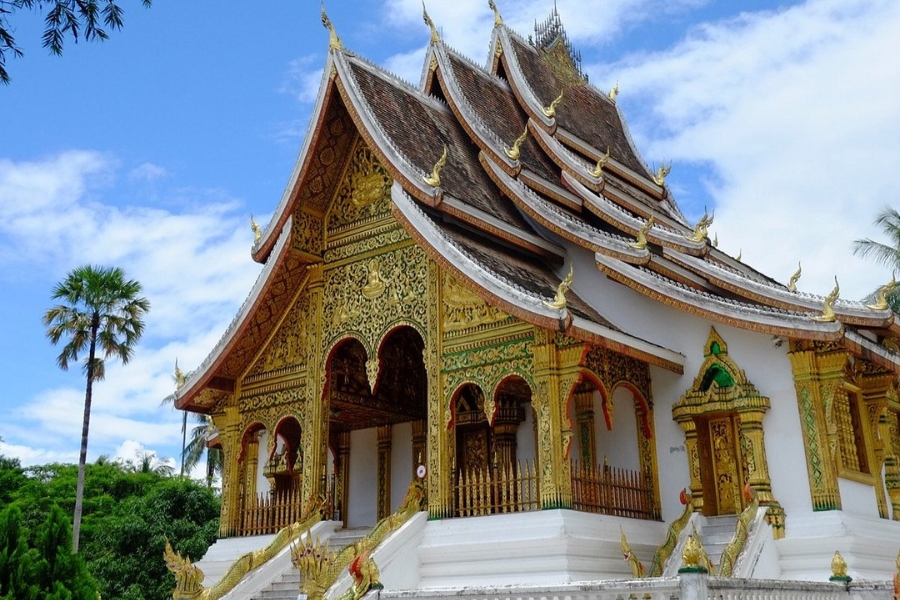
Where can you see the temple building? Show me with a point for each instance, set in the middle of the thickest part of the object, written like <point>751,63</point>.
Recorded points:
<point>478,284</point>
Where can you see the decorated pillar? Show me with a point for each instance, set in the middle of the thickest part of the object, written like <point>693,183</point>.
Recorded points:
<point>439,441</point>
<point>315,429</point>
<point>418,446</point>
<point>874,384</point>
<point>892,462</point>
<point>584,419</point>
<point>753,450</point>
<point>342,476</point>
<point>228,424</point>
<point>384,471</point>
<point>689,427</point>
<point>817,375</point>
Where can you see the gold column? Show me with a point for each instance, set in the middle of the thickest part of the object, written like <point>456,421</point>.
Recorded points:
<point>439,453</point>
<point>342,475</point>
<point>314,431</point>
<point>584,418</point>
<point>693,456</point>
<point>384,471</point>
<point>817,376</point>
<point>754,451</point>
<point>251,468</point>
<point>418,446</point>
<point>875,397</point>
<point>228,424</point>
<point>892,462</point>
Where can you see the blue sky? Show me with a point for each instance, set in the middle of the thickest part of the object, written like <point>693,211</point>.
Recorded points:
<point>150,151</point>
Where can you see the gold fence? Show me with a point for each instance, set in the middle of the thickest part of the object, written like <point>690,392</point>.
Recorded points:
<point>270,511</point>
<point>612,491</point>
<point>502,489</point>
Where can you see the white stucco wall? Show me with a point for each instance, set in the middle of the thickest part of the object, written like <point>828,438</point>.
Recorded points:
<point>619,444</point>
<point>262,484</point>
<point>401,463</point>
<point>525,442</point>
<point>363,477</point>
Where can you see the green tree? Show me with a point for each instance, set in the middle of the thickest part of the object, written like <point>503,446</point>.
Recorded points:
<point>197,446</point>
<point>102,312</point>
<point>83,19</point>
<point>59,572</point>
<point>16,559</point>
<point>886,254</point>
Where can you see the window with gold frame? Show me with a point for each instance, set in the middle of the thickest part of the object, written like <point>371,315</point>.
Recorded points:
<point>854,435</point>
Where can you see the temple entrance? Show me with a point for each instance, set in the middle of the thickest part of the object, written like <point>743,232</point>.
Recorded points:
<point>376,436</point>
<point>721,465</point>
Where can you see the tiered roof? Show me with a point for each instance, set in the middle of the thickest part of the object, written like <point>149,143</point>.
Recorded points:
<point>576,174</point>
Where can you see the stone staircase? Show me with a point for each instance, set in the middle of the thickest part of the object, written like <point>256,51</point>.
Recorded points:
<point>287,585</point>
<point>716,534</point>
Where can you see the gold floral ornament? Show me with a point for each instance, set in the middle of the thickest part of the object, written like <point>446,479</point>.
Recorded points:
<point>435,37</point>
<point>881,301</point>
<point>498,20</point>
<point>660,177</point>
<point>828,315</point>
<point>839,569</point>
<point>334,42</point>
<point>516,151</point>
<point>701,229</point>
<point>313,560</point>
<point>613,92</point>
<point>601,162</point>
<point>257,232</point>
<point>559,301</point>
<point>792,284</point>
<point>641,241</point>
<point>637,568</point>
<point>188,577</point>
<point>692,556</point>
<point>434,180</point>
<point>550,111</point>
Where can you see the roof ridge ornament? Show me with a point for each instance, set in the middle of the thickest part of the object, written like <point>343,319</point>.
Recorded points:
<point>559,301</point>
<point>435,36</point>
<point>640,242</point>
<point>257,232</point>
<point>715,241</point>
<point>828,315</point>
<point>700,232</point>
<point>660,177</point>
<point>516,151</point>
<point>613,92</point>
<point>498,20</point>
<point>881,301</point>
<point>739,255</point>
<point>550,111</point>
<point>601,162</point>
<point>792,284</point>
<point>434,180</point>
<point>179,376</point>
<point>334,42</point>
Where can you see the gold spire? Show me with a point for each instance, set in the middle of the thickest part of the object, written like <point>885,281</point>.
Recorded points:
<point>827,315</point>
<point>641,242</point>
<point>700,229</point>
<point>435,37</point>
<point>498,20</point>
<point>792,284</point>
<point>550,111</point>
<point>660,177</point>
<point>881,301</point>
<point>601,162</point>
<point>257,233</point>
<point>613,92</point>
<point>434,179</point>
<point>515,152</point>
<point>334,42</point>
<point>559,301</point>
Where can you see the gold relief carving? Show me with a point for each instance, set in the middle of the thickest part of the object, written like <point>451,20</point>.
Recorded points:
<point>364,191</point>
<point>486,367</point>
<point>613,368</point>
<point>464,309</point>
<point>375,282</point>
<point>306,233</point>
<point>372,372</point>
<point>289,345</point>
<point>383,235</point>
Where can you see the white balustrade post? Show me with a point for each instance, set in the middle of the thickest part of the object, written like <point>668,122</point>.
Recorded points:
<point>693,584</point>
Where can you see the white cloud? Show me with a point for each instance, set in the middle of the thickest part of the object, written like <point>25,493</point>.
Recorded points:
<point>796,116</point>
<point>303,78</point>
<point>148,172</point>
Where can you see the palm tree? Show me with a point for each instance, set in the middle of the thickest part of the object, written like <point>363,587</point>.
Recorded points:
<point>888,220</point>
<point>194,450</point>
<point>101,313</point>
<point>179,379</point>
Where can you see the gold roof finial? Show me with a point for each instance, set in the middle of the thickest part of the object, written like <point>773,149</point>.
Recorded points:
<point>550,111</point>
<point>257,233</point>
<point>739,255</point>
<point>498,20</point>
<point>660,177</point>
<point>827,315</point>
<point>515,152</point>
<point>434,180</point>
<point>792,284</point>
<point>179,376</point>
<point>715,242</point>
<point>559,301</point>
<point>601,162</point>
<point>641,242</point>
<point>334,42</point>
<point>700,232</point>
<point>435,37</point>
<point>881,301</point>
<point>613,92</point>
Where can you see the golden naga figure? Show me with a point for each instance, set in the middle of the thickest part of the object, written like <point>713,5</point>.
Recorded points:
<point>498,20</point>
<point>365,577</point>
<point>257,232</point>
<point>550,111</point>
<point>516,151</point>
<point>637,568</point>
<point>828,315</point>
<point>188,577</point>
<point>641,242</point>
<point>179,376</point>
<point>701,229</point>
<point>881,301</point>
<point>660,177</point>
<point>434,180</point>
<point>613,92</point>
<point>334,42</point>
<point>792,284</point>
<point>435,37</point>
<point>559,301</point>
<point>313,560</point>
<point>601,162</point>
